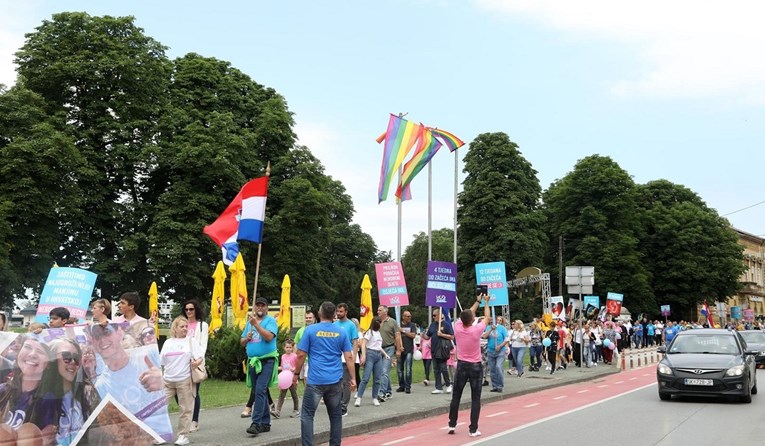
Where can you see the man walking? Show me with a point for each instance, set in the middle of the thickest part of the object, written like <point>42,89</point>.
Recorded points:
<point>353,334</point>
<point>469,369</point>
<point>309,320</point>
<point>408,333</point>
<point>391,344</point>
<point>259,339</point>
<point>322,343</point>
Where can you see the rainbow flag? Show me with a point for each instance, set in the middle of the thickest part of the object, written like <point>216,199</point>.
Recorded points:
<point>449,139</point>
<point>399,140</point>
<point>427,147</point>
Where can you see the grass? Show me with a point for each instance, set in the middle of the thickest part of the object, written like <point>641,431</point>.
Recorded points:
<point>218,393</point>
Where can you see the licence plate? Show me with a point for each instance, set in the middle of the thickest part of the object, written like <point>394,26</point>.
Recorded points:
<point>698,382</point>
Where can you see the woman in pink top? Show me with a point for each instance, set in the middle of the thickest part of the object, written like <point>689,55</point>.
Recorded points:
<point>469,366</point>
<point>426,358</point>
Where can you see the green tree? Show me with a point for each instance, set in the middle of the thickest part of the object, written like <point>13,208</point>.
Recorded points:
<point>499,216</point>
<point>691,253</point>
<point>593,208</point>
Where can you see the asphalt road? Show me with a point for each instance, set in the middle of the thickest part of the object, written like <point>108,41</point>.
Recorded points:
<point>622,409</point>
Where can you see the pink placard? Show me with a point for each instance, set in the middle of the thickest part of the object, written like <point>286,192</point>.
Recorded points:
<point>391,285</point>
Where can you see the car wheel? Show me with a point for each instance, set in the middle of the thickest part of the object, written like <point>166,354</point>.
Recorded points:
<point>754,389</point>
<point>748,397</point>
<point>665,396</point>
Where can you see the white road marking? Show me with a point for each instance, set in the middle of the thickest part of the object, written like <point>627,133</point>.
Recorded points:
<point>397,441</point>
<point>532,405</point>
<point>602,385</point>
<point>559,397</point>
<point>551,417</point>
<point>633,379</point>
<point>618,382</point>
<point>496,414</point>
<point>583,391</point>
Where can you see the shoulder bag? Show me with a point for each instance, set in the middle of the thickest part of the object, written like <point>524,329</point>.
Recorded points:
<point>198,373</point>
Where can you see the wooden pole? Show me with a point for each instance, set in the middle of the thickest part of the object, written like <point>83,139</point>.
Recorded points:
<point>260,245</point>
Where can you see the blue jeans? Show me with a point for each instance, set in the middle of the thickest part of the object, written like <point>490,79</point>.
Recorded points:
<point>442,373</point>
<point>471,372</point>
<point>535,360</point>
<point>518,354</point>
<point>496,366</point>
<point>373,363</point>
<point>260,409</point>
<point>197,404</point>
<point>405,371</point>
<point>385,377</point>
<point>332,394</point>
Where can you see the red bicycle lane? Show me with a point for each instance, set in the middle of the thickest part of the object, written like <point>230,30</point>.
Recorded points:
<point>512,413</point>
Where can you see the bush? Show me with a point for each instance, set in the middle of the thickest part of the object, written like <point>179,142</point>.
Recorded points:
<point>225,355</point>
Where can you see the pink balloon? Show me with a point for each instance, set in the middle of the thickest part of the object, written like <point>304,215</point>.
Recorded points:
<point>285,379</point>
<point>611,346</point>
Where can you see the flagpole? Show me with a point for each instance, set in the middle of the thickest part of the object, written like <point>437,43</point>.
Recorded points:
<point>430,226</point>
<point>397,308</point>
<point>260,245</point>
<point>456,165</point>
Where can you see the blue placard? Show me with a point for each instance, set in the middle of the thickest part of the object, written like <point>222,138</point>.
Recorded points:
<point>493,276</point>
<point>441,286</point>
<point>592,300</point>
<point>70,288</point>
<point>735,312</point>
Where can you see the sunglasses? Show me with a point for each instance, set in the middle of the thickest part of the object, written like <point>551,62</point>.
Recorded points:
<point>68,357</point>
<point>101,331</point>
<point>188,309</point>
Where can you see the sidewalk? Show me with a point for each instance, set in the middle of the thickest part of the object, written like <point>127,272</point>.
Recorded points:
<point>223,426</point>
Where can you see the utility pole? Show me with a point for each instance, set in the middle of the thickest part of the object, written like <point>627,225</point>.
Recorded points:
<point>560,265</point>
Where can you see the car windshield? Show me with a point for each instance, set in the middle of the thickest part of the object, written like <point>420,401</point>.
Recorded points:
<point>754,336</point>
<point>710,344</point>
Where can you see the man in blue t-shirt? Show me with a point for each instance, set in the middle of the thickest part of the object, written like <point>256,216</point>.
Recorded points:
<point>353,336</point>
<point>324,343</point>
<point>670,332</point>
<point>496,351</point>
<point>259,339</point>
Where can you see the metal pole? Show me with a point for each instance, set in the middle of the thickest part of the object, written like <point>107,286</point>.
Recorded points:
<point>430,225</point>
<point>397,309</point>
<point>560,266</point>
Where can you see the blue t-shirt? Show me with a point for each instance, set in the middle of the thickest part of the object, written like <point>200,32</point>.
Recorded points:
<point>649,329</point>
<point>324,342</point>
<point>670,332</point>
<point>350,328</point>
<point>495,338</point>
<point>257,345</point>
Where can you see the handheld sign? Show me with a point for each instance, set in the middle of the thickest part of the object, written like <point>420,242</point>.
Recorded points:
<point>493,276</point>
<point>441,286</point>
<point>391,285</point>
<point>70,288</point>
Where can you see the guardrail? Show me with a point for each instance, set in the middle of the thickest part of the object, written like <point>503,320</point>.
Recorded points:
<point>640,357</point>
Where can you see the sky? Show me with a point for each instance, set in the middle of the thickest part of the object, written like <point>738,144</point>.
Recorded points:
<point>669,90</point>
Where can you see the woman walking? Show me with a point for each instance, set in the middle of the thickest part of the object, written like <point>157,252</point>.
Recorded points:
<point>372,355</point>
<point>178,355</point>
<point>199,330</point>
<point>519,342</point>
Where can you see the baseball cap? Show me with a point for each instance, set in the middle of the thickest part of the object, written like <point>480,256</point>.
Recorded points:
<point>261,300</point>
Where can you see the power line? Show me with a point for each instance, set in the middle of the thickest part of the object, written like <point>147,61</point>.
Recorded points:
<point>743,209</point>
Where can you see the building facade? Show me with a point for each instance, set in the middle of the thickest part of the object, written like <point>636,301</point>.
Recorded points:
<point>751,296</point>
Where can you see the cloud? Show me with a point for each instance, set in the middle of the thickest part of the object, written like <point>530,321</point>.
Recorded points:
<point>685,48</point>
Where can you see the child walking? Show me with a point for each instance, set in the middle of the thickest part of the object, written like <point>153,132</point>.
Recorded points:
<point>288,363</point>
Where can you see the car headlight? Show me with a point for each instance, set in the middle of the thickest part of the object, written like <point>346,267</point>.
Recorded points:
<point>735,371</point>
<point>664,369</point>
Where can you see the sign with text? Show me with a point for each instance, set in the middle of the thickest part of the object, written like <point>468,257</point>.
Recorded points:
<point>70,288</point>
<point>592,300</point>
<point>614,303</point>
<point>391,285</point>
<point>665,310</point>
<point>493,276</point>
<point>735,312</point>
<point>441,286</point>
<point>748,314</point>
<point>556,307</point>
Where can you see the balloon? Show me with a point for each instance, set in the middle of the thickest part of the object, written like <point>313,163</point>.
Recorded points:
<point>606,342</point>
<point>618,336</point>
<point>611,346</point>
<point>417,356</point>
<point>285,379</point>
<point>546,342</point>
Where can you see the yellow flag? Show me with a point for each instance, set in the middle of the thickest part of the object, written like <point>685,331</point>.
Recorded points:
<point>218,297</point>
<point>154,307</point>
<point>285,314</point>
<point>239,292</point>
<point>366,304</point>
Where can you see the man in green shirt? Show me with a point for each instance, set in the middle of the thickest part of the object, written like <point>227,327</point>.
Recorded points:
<point>391,344</point>
<point>309,320</point>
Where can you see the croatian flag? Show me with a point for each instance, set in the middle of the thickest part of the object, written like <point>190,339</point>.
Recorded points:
<point>242,220</point>
<point>708,314</point>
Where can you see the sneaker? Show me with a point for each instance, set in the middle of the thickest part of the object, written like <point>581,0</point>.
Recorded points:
<point>485,383</point>
<point>356,394</point>
<point>345,413</point>
<point>437,391</point>
<point>400,389</point>
<point>426,382</point>
<point>548,368</point>
<point>358,402</point>
<point>375,402</point>
<point>264,428</point>
<point>408,391</point>
<point>448,389</point>
<point>295,414</point>
<point>246,413</point>
<point>520,375</point>
<point>388,396</point>
<point>182,440</point>
<point>276,413</point>
<point>474,434</point>
<point>253,429</point>
<point>194,426</point>
<point>380,399</point>
<point>451,430</point>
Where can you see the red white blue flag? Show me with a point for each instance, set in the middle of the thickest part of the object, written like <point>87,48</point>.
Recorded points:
<point>242,220</point>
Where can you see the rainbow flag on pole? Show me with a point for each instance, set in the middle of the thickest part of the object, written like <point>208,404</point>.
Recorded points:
<point>399,140</point>
<point>449,139</point>
<point>427,147</point>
